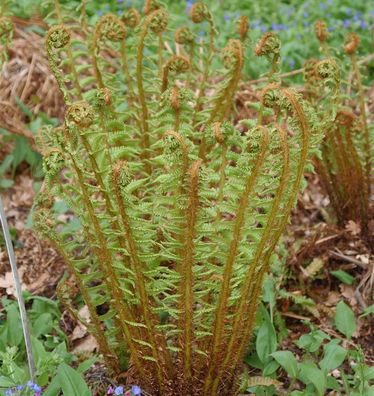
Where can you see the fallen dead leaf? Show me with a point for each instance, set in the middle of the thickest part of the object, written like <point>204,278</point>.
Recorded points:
<point>88,344</point>
<point>7,282</point>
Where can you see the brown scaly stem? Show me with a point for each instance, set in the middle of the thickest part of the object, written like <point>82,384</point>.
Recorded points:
<point>125,68</point>
<point>361,98</point>
<point>111,280</point>
<point>137,267</point>
<point>254,265</point>
<point>109,356</point>
<point>207,67</point>
<point>187,298</point>
<point>305,129</point>
<point>360,177</point>
<point>96,324</point>
<point>139,80</point>
<point>233,59</point>
<point>220,315</point>
<point>69,53</point>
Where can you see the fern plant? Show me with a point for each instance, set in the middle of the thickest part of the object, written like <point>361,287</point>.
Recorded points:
<point>345,168</point>
<point>176,213</point>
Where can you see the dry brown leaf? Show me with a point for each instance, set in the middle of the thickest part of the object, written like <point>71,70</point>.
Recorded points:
<point>353,228</point>
<point>88,344</point>
<point>7,282</point>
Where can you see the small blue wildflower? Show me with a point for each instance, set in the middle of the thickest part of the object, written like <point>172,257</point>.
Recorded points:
<point>110,390</point>
<point>357,16</point>
<point>346,23</point>
<point>274,26</point>
<point>118,390</point>
<point>30,384</point>
<point>100,12</point>
<point>119,1</point>
<point>363,25</point>
<point>37,388</point>
<point>282,26</point>
<point>306,24</point>
<point>329,1</point>
<point>291,63</point>
<point>135,390</point>
<point>189,4</point>
<point>19,387</point>
<point>322,6</point>
<point>330,29</point>
<point>9,392</point>
<point>201,33</point>
<point>226,17</point>
<point>348,11</point>
<point>306,14</point>
<point>263,28</point>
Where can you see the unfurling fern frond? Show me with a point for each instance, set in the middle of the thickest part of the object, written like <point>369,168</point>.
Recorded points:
<point>175,212</point>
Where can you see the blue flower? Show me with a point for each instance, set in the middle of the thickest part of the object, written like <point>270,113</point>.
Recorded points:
<point>263,28</point>
<point>306,14</point>
<point>357,16</point>
<point>306,24</point>
<point>323,6</point>
<point>330,29</point>
<point>226,17</point>
<point>291,63</point>
<point>118,390</point>
<point>135,390</point>
<point>37,388</point>
<point>274,26</point>
<point>119,1</point>
<point>189,4</point>
<point>348,11</point>
<point>100,12</point>
<point>363,25</point>
<point>9,392</point>
<point>19,387</point>
<point>346,23</point>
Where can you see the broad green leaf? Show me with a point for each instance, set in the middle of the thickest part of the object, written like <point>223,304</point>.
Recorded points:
<point>367,373</point>
<point>53,388</point>
<point>84,366</point>
<point>345,319</point>
<point>6,382</point>
<point>266,341</point>
<point>367,311</point>
<point>343,276</point>
<point>71,382</point>
<point>311,374</point>
<point>288,361</point>
<point>270,368</point>
<point>40,354</point>
<point>333,356</point>
<point>13,326</point>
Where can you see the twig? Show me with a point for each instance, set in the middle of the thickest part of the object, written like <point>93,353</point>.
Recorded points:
<point>348,258</point>
<point>21,303</point>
